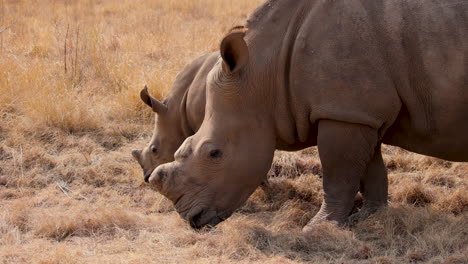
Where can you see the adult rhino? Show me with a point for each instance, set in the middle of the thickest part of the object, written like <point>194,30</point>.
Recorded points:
<point>178,116</point>
<point>344,75</point>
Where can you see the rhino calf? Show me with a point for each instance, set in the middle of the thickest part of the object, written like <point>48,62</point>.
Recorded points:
<point>178,116</point>
<point>346,76</point>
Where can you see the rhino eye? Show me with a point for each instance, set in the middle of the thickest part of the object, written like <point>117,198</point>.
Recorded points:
<point>216,154</point>
<point>154,149</point>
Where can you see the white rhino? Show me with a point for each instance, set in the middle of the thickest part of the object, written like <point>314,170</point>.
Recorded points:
<point>345,75</point>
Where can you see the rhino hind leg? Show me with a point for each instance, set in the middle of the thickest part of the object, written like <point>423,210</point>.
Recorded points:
<point>346,152</point>
<point>373,187</point>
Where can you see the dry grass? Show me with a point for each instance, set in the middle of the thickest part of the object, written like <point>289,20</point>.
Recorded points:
<point>70,192</point>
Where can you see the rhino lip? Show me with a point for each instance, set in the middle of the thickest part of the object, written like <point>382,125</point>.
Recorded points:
<point>195,218</point>
<point>225,215</point>
<point>205,218</point>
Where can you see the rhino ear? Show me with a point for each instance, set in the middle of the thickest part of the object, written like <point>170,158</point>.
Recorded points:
<point>152,102</point>
<point>234,51</point>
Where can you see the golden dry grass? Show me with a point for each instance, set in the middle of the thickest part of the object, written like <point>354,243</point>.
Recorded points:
<point>71,193</point>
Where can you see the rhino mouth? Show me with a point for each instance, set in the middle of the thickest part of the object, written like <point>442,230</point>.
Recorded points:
<point>206,218</point>
<point>200,216</point>
<point>147,175</point>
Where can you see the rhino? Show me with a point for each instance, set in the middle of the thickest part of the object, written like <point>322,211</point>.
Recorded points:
<point>178,116</point>
<point>346,76</point>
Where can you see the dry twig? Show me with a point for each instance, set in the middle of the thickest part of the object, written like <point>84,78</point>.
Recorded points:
<point>62,188</point>
<point>7,27</point>
<point>76,51</point>
<point>65,49</point>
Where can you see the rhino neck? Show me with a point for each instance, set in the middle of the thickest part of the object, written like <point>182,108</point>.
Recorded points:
<point>192,93</point>
<point>187,129</point>
<point>272,35</point>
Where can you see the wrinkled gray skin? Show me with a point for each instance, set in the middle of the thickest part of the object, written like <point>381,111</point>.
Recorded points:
<point>178,116</point>
<point>346,76</point>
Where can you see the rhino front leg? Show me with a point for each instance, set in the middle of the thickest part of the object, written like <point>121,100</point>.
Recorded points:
<point>374,187</point>
<point>345,151</point>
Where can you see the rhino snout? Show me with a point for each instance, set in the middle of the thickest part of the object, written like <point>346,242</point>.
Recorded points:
<point>158,176</point>
<point>136,154</point>
<point>206,218</point>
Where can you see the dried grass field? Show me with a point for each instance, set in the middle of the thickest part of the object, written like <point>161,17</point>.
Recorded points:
<point>70,192</point>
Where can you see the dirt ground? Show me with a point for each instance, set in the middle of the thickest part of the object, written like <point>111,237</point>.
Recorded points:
<point>70,192</point>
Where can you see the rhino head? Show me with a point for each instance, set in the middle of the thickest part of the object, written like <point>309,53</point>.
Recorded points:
<point>157,152</point>
<point>218,168</point>
<point>178,116</point>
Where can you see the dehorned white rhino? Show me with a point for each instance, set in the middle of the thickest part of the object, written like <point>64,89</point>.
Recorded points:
<point>346,76</point>
<point>178,116</point>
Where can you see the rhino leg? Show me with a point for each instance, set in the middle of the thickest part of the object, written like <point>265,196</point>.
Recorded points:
<point>346,151</point>
<point>374,187</point>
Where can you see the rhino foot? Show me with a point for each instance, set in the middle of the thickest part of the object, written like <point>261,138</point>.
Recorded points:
<point>314,225</point>
<point>367,210</point>
<point>319,223</point>
<point>325,215</point>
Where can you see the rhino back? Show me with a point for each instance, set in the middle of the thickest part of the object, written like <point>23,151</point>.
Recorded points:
<point>431,79</point>
<point>398,66</point>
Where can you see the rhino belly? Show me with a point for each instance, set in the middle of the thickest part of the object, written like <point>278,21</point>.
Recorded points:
<point>448,141</point>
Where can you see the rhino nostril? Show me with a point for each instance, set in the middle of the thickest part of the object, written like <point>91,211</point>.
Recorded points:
<point>161,174</point>
<point>157,176</point>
